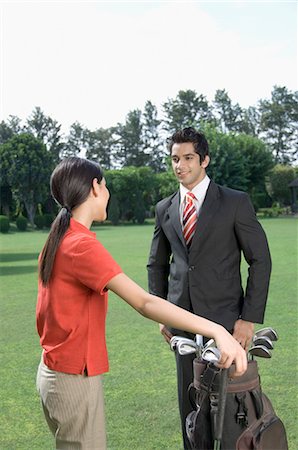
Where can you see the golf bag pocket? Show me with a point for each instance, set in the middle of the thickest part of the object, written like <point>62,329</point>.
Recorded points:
<point>266,433</point>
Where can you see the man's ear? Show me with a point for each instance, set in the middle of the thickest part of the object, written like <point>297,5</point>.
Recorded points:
<point>206,162</point>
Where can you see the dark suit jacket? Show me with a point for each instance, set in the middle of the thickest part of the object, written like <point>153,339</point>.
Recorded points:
<point>206,279</point>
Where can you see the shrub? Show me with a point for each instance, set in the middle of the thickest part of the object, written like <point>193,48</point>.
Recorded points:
<point>140,212</point>
<point>39,221</point>
<point>279,179</point>
<point>22,223</point>
<point>48,219</point>
<point>275,211</point>
<point>114,211</point>
<point>4,224</point>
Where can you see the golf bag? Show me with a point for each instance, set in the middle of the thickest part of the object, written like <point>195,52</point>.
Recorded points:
<point>250,422</point>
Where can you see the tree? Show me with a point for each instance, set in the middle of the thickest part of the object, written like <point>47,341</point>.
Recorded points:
<point>6,199</point>
<point>9,128</point>
<point>47,130</point>
<point>240,162</point>
<point>227,162</point>
<point>75,141</point>
<point>114,210</point>
<point>6,132</point>
<point>139,209</point>
<point>28,166</point>
<point>249,122</point>
<point>134,188</point>
<point>279,123</point>
<point>228,116</point>
<point>129,141</point>
<point>122,185</point>
<point>279,179</point>
<point>186,110</point>
<point>153,143</point>
<point>167,184</point>
<point>258,163</point>
<point>100,146</point>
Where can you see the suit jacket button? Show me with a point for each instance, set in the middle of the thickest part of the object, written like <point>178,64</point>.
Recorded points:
<point>191,268</point>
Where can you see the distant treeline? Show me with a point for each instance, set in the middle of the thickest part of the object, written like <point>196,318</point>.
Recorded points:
<point>252,149</point>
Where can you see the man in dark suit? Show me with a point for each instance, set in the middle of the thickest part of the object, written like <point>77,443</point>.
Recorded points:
<point>202,275</point>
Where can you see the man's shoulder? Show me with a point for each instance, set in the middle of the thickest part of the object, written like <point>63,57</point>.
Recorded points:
<point>165,202</point>
<point>229,192</point>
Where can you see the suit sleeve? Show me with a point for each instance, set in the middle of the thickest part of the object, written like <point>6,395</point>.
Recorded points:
<point>253,243</point>
<point>159,261</point>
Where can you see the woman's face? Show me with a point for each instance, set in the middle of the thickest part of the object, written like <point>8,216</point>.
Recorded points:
<point>102,201</point>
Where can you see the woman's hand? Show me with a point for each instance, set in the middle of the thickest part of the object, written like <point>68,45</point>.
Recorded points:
<point>231,351</point>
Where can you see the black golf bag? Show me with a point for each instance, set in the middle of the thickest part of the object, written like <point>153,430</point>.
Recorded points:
<point>250,422</point>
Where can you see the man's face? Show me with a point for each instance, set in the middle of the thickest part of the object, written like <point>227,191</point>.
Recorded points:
<point>186,164</point>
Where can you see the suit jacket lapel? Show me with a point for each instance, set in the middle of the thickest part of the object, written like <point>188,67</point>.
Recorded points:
<point>174,216</point>
<point>209,208</point>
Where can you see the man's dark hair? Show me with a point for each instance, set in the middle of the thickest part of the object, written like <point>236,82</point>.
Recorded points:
<point>189,134</point>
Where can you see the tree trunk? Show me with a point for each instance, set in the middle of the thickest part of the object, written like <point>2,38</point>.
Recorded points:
<point>30,209</point>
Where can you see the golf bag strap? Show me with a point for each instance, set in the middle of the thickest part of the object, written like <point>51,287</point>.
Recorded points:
<point>242,412</point>
<point>213,397</point>
<point>193,403</point>
<point>199,397</point>
<point>208,378</point>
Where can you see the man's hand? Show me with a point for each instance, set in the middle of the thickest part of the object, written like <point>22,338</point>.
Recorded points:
<point>243,333</point>
<point>165,332</point>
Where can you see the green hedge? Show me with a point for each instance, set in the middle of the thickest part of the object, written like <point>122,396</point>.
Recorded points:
<point>22,223</point>
<point>4,224</point>
<point>275,211</point>
<point>39,221</point>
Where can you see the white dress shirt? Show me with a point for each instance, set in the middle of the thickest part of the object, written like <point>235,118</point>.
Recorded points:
<point>199,192</point>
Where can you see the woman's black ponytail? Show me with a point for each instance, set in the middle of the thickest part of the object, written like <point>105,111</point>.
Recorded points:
<point>70,183</point>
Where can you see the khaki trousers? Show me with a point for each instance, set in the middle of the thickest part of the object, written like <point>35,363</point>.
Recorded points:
<point>73,406</point>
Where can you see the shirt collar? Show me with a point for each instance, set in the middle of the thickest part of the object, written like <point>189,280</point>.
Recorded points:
<point>77,226</point>
<point>199,190</point>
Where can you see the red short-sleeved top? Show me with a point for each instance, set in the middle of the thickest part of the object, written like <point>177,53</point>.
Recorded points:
<point>71,309</point>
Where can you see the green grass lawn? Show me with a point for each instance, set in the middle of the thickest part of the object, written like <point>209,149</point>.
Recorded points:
<point>140,390</point>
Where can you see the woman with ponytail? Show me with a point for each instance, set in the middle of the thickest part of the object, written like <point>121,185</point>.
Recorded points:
<point>75,274</point>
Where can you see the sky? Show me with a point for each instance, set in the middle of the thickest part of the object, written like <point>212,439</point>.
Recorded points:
<point>94,61</point>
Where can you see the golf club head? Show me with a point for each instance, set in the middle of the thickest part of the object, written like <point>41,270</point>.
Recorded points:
<point>263,340</point>
<point>210,343</point>
<point>261,351</point>
<point>269,332</point>
<point>175,339</point>
<point>184,348</point>
<point>173,342</point>
<point>211,354</point>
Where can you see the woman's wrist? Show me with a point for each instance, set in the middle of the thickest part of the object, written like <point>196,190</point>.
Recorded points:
<point>218,331</point>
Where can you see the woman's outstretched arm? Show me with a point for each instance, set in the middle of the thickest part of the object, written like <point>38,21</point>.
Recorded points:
<point>165,312</point>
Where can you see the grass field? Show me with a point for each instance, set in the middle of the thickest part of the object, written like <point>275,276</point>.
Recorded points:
<point>140,390</point>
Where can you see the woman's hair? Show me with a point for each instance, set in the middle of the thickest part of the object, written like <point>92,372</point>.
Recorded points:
<point>189,134</point>
<point>70,184</point>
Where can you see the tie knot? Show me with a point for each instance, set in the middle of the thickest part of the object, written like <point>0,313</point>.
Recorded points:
<point>190,197</point>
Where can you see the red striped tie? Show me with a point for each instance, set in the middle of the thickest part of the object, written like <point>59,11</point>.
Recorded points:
<point>189,218</point>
